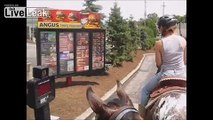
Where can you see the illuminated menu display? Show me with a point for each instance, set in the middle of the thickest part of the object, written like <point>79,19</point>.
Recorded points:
<point>66,52</point>
<point>98,50</point>
<point>48,50</point>
<point>43,89</point>
<point>82,51</point>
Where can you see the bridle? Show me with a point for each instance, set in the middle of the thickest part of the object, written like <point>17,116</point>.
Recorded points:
<point>121,112</point>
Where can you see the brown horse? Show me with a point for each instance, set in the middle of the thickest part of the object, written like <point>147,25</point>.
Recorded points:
<point>168,101</point>
<point>117,109</point>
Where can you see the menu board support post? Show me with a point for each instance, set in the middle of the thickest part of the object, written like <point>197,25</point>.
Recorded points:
<point>40,92</point>
<point>42,113</point>
<point>69,81</point>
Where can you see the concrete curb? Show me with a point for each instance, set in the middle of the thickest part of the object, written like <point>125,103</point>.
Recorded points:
<point>89,111</point>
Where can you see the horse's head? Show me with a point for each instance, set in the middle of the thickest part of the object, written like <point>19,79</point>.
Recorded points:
<point>117,109</point>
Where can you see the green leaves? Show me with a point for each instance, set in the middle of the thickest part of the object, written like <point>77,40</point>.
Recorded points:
<point>123,36</point>
<point>181,19</point>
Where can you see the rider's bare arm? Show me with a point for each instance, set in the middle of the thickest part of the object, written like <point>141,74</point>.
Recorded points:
<point>184,47</point>
<point>185,56</point>
<point>158,53</point>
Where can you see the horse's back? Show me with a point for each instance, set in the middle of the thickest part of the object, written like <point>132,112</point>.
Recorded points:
<point>171,106</point>
<point>168,101</point>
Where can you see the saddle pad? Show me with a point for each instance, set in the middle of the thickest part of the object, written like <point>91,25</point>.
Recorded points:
<point>165,89</point>
<point>172,78</point>
<point>153,100</point>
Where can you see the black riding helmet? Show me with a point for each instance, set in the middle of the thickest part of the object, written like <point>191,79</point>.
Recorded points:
<point>167,21</point>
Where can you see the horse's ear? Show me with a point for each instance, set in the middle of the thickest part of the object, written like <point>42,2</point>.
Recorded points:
<point>94,101</point>
<point>97,105</point>
<point>125,100</point>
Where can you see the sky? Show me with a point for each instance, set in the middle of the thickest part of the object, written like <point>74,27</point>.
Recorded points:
<point>135,8</point>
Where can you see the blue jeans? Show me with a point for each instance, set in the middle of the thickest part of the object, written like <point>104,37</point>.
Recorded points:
<point>153,82</point>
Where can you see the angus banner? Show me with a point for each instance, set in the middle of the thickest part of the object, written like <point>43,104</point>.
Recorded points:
<point>69,19</point>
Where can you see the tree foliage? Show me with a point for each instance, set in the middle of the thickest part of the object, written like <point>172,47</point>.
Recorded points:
<point>151,22</point>
<point>122,37</point>
<point>134,38</point>
<point>148,31</point>
<point>125,36</point>
<point>147,38</point>
<point>116,36</point>
<point>181,19</point>
<point>91,7</point>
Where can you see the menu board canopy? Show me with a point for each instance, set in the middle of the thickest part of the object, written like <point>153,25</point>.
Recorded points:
<point>69,19</point>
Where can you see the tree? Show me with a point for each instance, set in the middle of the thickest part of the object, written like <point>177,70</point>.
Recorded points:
<point>149,32</point>
<point>151,22</point>
<point>91,7</point>
<point>181,19</point>
<point>117,37</point>
<point>134,38</point>
<point>147,38</point>
<point>141,22</point>
<point>143,37</point>
<point>152,16</point>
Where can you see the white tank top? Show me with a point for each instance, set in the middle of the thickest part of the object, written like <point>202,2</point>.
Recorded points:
<point>173,52</point>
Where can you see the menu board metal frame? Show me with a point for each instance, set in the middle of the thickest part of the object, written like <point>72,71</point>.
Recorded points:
<point>74,31</point>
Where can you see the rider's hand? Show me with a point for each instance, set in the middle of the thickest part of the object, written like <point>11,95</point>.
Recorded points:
<point>158,70</point>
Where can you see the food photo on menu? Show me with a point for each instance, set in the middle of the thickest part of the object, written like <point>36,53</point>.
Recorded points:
<point>82,51</point>
<point>66,52</point>
<point>70,65</point>
<point>48,50</point>
<point>98,50</point>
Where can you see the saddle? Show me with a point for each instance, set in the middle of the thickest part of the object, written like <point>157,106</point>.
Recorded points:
<point>166,85</point>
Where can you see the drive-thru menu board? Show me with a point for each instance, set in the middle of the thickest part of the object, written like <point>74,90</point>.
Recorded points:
<point>48,50</point>
<point>82,51</point>
<point>98,50</point>
<point>66,52</point>
<point>70,42</point>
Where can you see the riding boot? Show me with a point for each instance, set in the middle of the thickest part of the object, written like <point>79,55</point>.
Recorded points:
<point>142,110</point>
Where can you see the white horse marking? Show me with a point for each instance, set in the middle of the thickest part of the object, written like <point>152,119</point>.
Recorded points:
<point>172,107</point>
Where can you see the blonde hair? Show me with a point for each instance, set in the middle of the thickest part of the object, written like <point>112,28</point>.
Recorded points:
<point>170,29</point>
